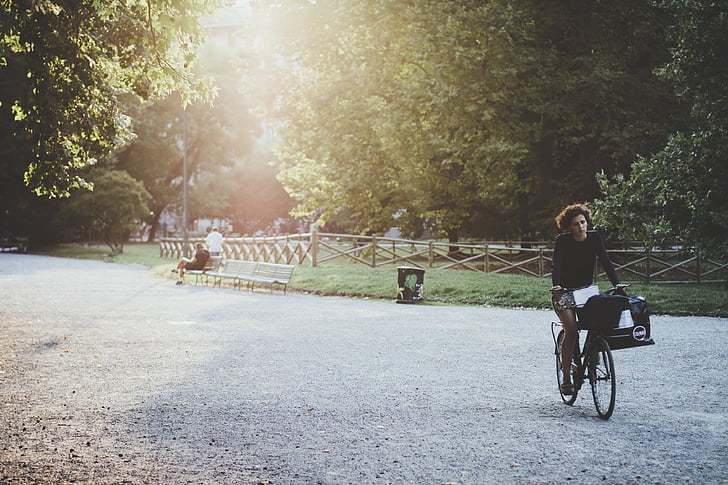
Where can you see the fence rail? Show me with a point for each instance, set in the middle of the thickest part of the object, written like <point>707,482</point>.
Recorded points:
<point>634,261</point>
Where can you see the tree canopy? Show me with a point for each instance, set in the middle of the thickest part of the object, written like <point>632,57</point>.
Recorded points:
<point>112,210</point>
<point>471,117</point>
<point>679,193</point>
<point>104,84</point>
<point>476,118</point>
<point>220,137</point>
<point>63,65</point>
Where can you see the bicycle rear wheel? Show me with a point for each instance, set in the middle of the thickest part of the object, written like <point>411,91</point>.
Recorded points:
<point>601,377</point>
<point>568,399</point>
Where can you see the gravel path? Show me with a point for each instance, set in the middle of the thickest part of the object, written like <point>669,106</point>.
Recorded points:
<point>108,375</point>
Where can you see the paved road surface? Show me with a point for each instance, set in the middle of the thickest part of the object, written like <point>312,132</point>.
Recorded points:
<point>108,375</point>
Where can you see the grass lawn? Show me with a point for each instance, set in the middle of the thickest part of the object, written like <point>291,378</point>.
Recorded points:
<point>145,254</point>
<point>451,287</point>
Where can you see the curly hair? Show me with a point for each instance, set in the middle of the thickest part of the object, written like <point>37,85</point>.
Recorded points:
<point>563,220</point>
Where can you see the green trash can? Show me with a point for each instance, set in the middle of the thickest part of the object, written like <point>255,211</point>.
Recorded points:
<point>409,284</point>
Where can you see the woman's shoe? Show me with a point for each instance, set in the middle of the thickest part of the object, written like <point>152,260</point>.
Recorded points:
<point>567,389</point>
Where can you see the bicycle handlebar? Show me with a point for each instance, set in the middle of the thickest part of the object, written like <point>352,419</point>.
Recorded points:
<point>619,289</point>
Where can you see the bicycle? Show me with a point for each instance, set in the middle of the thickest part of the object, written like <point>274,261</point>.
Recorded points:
<point>593,362</point>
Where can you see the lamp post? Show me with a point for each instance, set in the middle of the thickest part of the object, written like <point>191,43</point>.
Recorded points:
<point>185,250</point>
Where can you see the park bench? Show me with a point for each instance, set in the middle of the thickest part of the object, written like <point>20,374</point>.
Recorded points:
<point>254,272</point>
<point>212,264</point>
<point>13,244</point>
<point>270,275</point>
<point>231,270</point>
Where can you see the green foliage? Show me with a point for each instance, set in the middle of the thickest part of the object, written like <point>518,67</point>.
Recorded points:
<point>463,116</point>
<point>468,118</point>
<point>676,196</point>
<point>220,138</point>
<point>581,98</point>
<point>154,157</point>
<point>113,209</point>
<point>679,194</point>
<point>63,65</point>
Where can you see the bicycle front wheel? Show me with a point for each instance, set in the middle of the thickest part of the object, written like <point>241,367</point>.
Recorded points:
<point>568,399</point>
<point>601,377</point>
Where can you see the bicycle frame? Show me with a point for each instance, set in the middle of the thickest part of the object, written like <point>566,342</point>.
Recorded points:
<point>594,362</point>
<point>578,356</point>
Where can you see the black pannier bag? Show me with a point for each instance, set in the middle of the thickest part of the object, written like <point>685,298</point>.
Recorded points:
<point>624,320</point>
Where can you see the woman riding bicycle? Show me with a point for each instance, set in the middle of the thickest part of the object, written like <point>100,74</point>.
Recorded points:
<point>575,252</point>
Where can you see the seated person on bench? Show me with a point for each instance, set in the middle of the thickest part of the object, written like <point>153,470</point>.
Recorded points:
<point>198,262</point>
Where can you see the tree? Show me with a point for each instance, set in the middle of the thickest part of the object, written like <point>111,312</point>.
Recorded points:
<point>679,194</point>
<point>258,198</point>
<point>154,157</point>
<point>113,209</point>
<point>220,136</point>
<point>64,64</point>
<point>374,128</point>
<point>466,116</point>
<point>580,97</point>
<point>334,159</point>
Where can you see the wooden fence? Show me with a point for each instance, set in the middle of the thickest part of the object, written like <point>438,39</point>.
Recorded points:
<point>634,262</point>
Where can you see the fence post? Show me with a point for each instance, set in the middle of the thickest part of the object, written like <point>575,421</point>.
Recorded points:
<point>697,264</point>
<point>487,258</point>
<point>649,255</point>
<point>540,262</point>
<point>374,251</point>
<point>431,255</point>
<point>314,247</point>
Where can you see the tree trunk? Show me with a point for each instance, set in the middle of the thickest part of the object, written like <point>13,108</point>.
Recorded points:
<point>155,223</point>
<point>453,238</point>
<point>524,221</point>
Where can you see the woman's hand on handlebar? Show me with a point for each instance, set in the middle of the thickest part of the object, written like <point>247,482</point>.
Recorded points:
<point>619,289</point>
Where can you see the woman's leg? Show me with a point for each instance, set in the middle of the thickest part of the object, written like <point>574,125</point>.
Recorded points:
<point>568,321</point>
<point>182,265</point>
<point>181,270</point>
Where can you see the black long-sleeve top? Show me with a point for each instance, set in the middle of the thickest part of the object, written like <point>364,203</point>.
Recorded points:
<point>573,264</point>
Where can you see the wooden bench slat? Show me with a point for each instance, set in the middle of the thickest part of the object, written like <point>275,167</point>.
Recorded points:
<point>254,272</point>
<point>230,270</point>
<point>271,274</point>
